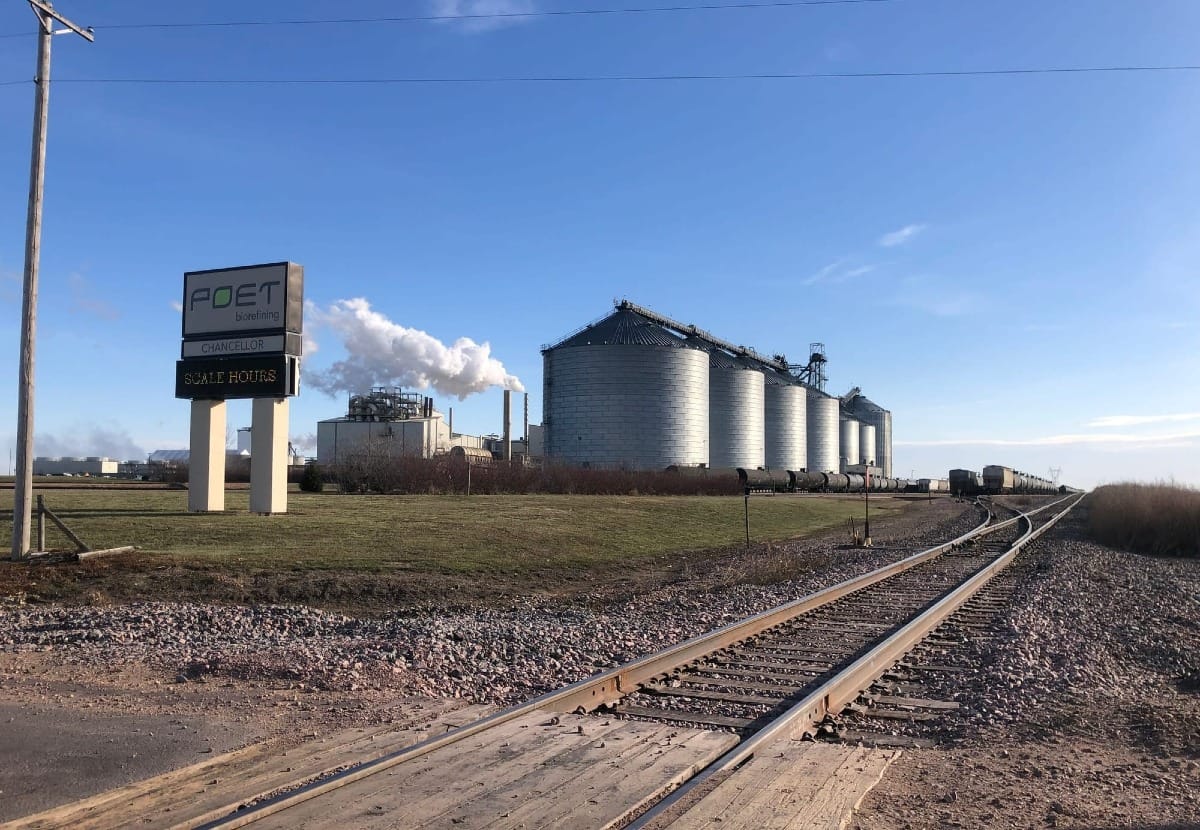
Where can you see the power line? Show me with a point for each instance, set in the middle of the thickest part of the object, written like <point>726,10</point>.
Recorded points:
<point>565,79</point>
<point>433,18</point>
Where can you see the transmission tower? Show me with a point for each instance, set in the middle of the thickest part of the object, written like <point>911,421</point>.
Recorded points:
<point>1055,472</point>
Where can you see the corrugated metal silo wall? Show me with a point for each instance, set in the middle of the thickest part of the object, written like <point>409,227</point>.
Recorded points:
<point>866,442</point>
<point>642,407</point>
<point>883,442</point>
<point>869,412</point>
<point>786,421</point>
<point>735,417</point>
<point>822,432</point>
<point>848,445</point>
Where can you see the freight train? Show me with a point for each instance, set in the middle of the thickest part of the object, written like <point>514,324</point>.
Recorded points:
<point>994,480</point>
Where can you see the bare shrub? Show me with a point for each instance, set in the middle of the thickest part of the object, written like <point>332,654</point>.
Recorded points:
<point>365,471</point>
<point>1160,519</point>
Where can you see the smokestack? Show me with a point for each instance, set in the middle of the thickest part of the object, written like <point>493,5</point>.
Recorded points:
<point>451,422</point>
<point>525,434</point>
<point>508,425</point>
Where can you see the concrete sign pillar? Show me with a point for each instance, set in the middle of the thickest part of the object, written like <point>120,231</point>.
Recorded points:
<point>269,456</point>
<point>206,464</point>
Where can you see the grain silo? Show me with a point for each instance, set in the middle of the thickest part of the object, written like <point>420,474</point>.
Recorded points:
<point>869,412</point>
<point>626,392</point>
<point>866,443</point>
<point>785,420</point>
<point>735,412</point>
<point>848,443</point>
<point>822,432</point>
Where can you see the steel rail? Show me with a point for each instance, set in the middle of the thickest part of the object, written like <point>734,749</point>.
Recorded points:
<point>593,692</point>
<point>833,695</point>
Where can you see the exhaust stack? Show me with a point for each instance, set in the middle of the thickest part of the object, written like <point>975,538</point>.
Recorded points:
<point>508,425</point>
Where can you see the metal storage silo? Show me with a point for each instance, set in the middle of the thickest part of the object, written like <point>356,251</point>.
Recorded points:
<point>735,412</point>
<point>822,432</point>
<point>869,412</point>
<point>626,392</point>
<point>786,419</point>
<point>866,443</point>
<point>848,445</point>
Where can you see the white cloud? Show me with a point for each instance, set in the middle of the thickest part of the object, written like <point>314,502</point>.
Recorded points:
<point>383,353</point>
<point>477,15</point>
<point>305,442</point>
<point>177,306</point>
<point>1135,420</point>
<point>891,240</point>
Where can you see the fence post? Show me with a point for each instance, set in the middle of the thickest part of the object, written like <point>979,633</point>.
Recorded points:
<point>747,498</point>
<point>41,522</point>
<point>468,477</point>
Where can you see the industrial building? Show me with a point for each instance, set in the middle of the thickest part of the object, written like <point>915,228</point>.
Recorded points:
<point>639,390</point>
<point>389,422</point>
<point>69,466</point>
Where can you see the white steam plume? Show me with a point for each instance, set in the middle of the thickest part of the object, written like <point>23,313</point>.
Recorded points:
<point>383,353</point>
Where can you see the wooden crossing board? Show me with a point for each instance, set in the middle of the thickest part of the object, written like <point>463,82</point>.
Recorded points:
<point>201,792</point>
<point>528,773</point>
<point>791,785</point>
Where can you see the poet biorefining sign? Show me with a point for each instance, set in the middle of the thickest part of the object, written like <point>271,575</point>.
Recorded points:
<point>242,334</point>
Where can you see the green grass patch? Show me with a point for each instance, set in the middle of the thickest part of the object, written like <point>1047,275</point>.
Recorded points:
<point>479,535</point>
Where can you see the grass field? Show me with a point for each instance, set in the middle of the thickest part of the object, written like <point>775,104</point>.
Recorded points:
<point>480,534</point>
<point>367,553</point>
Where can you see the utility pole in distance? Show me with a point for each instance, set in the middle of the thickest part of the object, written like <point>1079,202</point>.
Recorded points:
<point>23,483</point>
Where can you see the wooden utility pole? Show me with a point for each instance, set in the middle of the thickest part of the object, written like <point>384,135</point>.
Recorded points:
<point>23,483</point>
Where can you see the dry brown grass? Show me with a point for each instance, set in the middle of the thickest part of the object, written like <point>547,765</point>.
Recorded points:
<point>1160,519</point>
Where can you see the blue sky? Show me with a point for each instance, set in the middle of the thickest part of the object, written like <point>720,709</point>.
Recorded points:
<point>1009,263</point>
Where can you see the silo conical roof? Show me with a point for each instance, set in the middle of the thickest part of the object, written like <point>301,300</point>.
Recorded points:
<point>624,327</point>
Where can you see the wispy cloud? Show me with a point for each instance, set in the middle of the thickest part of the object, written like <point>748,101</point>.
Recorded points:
<point>838,271</point>
<point>10,285</point>
<point>177,306</point>
<point>1135,420</point>
<point>110,440</point>
<point>891,240</point>
<point>484,15</point>
<point>83,299</point>
<point>1178,439</point>
<point>923,294</point>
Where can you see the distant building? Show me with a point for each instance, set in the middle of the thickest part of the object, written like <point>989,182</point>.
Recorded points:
<point>90,466</point>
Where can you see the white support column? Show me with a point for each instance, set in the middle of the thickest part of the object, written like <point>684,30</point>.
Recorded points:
<point>206,462</point>
<point>268,458</point>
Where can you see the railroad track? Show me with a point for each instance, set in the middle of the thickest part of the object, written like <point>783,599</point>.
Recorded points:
<point>729,694</point>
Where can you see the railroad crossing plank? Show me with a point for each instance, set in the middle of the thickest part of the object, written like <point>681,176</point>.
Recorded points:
<point>527,773</point>
<point>791,785</point>
<point>201,792</point>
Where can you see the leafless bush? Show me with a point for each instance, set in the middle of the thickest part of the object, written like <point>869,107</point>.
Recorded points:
<point>367,472</point>
<point>1161,519</point>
